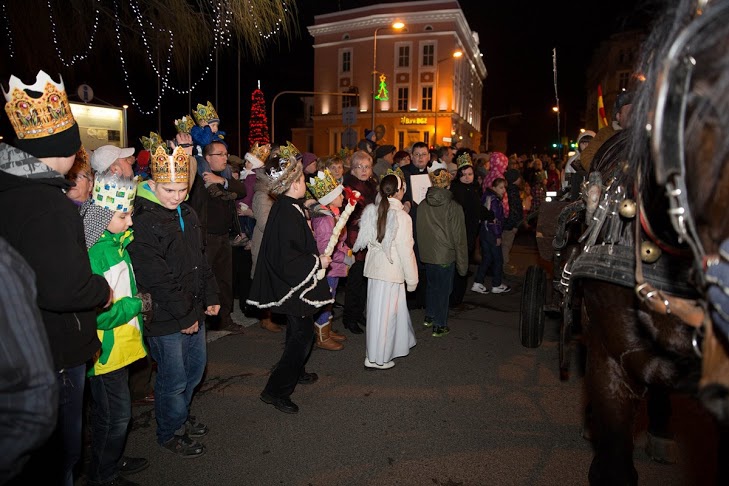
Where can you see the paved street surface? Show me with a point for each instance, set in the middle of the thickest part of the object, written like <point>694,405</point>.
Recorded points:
<point>470,408</point>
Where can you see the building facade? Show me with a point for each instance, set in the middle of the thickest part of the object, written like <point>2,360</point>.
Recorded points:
<point>404,84</point>
<point>613,68</point>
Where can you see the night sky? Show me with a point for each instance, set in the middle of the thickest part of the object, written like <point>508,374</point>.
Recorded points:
<point>516,38</point>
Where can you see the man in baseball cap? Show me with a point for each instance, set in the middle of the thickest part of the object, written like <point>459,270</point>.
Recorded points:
<point>117,160</point>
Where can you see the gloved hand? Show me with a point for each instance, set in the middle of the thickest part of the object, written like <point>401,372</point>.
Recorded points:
<point>717,276</point>
<point>147,305</point>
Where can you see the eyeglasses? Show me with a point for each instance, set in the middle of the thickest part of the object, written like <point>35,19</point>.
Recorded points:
<point>224,154</point>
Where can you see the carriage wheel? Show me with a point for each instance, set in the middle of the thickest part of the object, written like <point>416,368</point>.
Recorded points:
<point>531,318</point>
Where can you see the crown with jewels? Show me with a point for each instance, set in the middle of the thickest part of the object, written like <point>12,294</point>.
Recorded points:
<point>38,117</point>
<point>170,168</point>
<point>324,187</point>
<point>398,172</point>
<point>464,160</point>
<point>152,142</point>
<point>113,192</point>
<point>205,113</point>
<point>289,150</point>
<point>184,124</point>
<point>441,179</point>
<point>258,154</point>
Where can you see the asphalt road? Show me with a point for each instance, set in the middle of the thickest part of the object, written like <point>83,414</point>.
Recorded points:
<point>472,408</point>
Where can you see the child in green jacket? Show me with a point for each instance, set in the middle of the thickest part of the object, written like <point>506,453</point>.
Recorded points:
<point>107,219</point>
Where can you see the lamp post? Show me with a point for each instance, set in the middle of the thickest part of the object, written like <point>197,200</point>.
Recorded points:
<point>559,134</point>
<point>396,26</point>
<point>455,55</point>
<point>488,125</point>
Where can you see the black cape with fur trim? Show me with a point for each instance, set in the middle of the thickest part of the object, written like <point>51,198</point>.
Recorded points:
<point>286,271</point>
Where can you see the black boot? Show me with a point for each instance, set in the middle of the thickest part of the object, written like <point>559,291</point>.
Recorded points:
<point>353,327</point>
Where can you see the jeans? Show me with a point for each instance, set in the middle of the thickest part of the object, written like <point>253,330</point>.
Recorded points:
<point>491,256</point>
<point>111,412</point>
<point>299,341</point>
<point>70,417</point>
<point>326,312</point>
<point>438,291</point>
<point>181,360</point>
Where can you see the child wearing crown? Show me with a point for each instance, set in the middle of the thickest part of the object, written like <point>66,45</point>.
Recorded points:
<point>286,279</point>
<point>207,129</point>
<point>443,251</point>
<point>107,220</point>
<point>167,254</point>
<point>328,193</point>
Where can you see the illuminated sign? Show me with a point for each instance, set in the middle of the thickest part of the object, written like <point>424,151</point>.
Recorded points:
<point>406,120</point>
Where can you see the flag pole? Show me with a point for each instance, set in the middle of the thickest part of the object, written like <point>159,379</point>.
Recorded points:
<point>556,97</point>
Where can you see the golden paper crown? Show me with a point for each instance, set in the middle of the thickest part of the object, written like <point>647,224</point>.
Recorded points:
<point>289,150</point>
<point>152,142</point>
<point>324,187</point>
<point>442,179</point>
<point>38,117</point>
<point>464,160</point>
<point>184,124</point>
<point>113,192</point>
<point>398,172</point>
<point>205,113</point>
<point>258,154</point>
<point>170,168</point>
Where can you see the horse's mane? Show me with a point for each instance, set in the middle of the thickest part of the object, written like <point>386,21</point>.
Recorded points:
<point>706,129</point>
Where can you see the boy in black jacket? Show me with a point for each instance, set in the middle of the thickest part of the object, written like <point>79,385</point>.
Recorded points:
<point>286,279</point>
<point>169,264</point>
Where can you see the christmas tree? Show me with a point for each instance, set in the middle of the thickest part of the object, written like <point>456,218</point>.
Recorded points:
<point>258,123</point>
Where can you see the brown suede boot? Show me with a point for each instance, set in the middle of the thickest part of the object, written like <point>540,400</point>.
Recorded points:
<point>323,338</point>
<point>269,325</point>
<point>340,338</point>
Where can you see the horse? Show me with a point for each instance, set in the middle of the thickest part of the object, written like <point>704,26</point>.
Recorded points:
<point>658,216</point>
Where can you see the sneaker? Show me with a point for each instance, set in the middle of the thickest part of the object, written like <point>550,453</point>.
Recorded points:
<point>501,289</point>
<point>477,287</point>
<point>440,331</point>
<point>428,322</point>
<point>195,429</point>
<point>184,446</point>
<point>132,465</point>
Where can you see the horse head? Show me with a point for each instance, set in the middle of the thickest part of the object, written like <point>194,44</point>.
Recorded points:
<point>681,138</point>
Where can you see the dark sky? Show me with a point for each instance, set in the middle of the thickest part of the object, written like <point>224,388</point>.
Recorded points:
<point>516,38</point>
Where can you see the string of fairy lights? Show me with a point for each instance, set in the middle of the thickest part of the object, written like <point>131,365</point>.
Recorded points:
<point>222,37</point>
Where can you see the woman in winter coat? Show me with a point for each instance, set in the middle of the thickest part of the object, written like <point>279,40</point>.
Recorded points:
<point>385,230</point>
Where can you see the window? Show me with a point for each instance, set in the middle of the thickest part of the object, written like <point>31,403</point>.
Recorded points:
<point>346,61</point>
<point>426,103</point>
<point>623,80</point>
<point>350,101</point>
<point>402,98</point>
<point>428,54</point>
<point>403,56</point>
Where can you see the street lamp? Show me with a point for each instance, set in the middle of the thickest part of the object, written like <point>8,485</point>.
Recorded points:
<point>559,135</point>
<point>396,26</point>
<point>455,55</point>
<point>488,125</point>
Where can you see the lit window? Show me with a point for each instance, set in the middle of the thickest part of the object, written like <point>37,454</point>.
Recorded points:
<point>428,54</point>
<point>402,98</point>
<point>427,99</point>
<point>403,58</point>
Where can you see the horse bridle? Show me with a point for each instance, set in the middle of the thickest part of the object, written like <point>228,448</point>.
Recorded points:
<point>668,143</point>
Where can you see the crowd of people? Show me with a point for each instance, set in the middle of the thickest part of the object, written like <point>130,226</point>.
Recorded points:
<point>137,254</point>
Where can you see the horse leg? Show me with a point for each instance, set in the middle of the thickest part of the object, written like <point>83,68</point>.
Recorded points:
<point>613,407</point>
<point>660,445</point>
